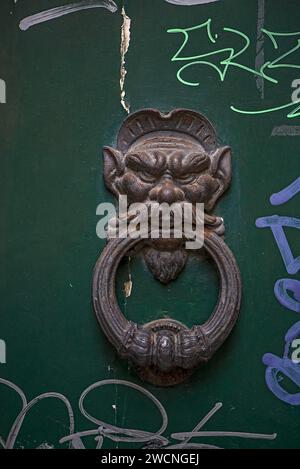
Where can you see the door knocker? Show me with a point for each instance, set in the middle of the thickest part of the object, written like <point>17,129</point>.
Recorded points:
<point>167,158</point>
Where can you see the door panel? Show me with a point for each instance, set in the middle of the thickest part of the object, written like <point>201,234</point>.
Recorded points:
<point>62,106</point>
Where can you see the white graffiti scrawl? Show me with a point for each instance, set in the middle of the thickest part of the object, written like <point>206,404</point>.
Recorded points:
<point>57,12</point>
<point>190,2</point>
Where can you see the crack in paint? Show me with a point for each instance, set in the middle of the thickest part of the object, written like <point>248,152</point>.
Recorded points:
<point>125,43</point>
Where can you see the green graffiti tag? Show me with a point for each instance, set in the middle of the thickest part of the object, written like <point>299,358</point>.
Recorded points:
<point>233,60</point>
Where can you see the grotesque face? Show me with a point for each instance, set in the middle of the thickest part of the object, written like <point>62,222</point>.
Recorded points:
<point>168,169</point>
<point>180,164</point>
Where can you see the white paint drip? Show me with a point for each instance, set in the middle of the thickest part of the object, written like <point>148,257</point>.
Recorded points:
<point>125,43</point>
<point>53,13</point>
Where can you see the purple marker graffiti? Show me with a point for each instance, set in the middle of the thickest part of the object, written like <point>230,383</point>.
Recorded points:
<point>285,366</point>
<point>281,289</point>
<point>276,224</point>
<point>287,194</point>
<point>287,292</point>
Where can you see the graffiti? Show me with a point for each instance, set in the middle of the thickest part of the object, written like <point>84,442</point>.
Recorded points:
<point>276,367</point>
<point>277,224</point>
<point>190,2</point>
<point>103,431</point>
<point>284,288</point>
<point>233,58</point>
<point>57,12</point>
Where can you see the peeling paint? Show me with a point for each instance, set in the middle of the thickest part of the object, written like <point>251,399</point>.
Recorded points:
<point>125,42</point>
<point>128,288</point>
<point>128,285</point>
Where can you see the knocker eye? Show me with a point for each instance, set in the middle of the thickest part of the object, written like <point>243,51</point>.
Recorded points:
<point>146,177</point>
<point>188,179</point>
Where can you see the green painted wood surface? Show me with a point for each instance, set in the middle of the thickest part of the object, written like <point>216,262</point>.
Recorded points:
<point>63,105</point>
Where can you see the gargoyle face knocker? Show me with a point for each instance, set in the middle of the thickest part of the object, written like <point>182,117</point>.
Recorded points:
<point>167,159</point>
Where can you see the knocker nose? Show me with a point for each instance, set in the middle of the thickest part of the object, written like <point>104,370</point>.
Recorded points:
<point>167,193</point>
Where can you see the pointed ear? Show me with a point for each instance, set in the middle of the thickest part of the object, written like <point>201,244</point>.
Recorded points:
<point>221,166</point>
<point>113,168</point>
<point>221,169</point>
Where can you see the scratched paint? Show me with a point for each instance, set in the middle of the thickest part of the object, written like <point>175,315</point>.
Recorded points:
<point>57,12</point>
<point>283,290</point>
<point>103,430</point>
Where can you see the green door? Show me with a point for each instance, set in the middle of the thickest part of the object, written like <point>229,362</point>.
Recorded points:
<point>67,84</point>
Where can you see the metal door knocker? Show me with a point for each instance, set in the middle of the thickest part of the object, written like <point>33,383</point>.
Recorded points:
<point>167,158</point>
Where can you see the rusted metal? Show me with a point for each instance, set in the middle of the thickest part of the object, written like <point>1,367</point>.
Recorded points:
<point>167,158</point>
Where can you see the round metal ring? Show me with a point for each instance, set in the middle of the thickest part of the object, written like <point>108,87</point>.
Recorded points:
<point>166,352</point>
